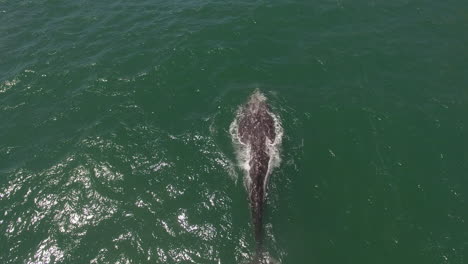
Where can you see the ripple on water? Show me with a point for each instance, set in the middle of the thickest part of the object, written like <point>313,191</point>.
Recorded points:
<point>163,211</point>
<point>7,85</point>
<point>47,252</point>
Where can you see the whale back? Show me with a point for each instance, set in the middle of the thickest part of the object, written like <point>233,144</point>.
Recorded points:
<point>256,122</point>
<point>256,134</point>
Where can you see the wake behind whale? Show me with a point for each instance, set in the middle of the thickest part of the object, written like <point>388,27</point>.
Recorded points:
<point>257,133</point>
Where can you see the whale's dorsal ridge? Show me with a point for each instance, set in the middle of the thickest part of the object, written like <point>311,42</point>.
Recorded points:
<point>257,132</point>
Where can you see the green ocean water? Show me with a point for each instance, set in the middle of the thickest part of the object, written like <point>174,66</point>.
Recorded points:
<point>115,144</point>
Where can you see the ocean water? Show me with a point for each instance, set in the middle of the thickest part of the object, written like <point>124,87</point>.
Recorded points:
<point>115,144</point>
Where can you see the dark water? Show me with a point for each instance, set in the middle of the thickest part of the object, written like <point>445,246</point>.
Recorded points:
<point>114,142</point>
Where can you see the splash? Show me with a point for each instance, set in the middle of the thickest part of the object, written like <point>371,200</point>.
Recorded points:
<point>243,151</point>
<point>274,149</point>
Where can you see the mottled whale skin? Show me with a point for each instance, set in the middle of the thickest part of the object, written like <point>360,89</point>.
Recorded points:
<point>256,131</point>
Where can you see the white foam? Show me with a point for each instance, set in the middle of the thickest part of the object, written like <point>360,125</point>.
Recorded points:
<point>242,150</point>
<point>274,149</point>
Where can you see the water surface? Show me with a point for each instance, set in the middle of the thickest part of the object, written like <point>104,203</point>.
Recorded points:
<point>115,145</point>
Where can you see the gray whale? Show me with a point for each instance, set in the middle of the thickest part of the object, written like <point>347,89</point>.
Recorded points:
<point>257,133</point>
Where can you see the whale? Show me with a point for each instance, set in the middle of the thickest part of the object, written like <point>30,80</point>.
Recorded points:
<point>257,133</point>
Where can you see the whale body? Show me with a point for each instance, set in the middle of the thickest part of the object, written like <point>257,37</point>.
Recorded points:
<point>257,133</point>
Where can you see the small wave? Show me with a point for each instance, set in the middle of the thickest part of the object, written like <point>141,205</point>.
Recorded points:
<point>7,85</point>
